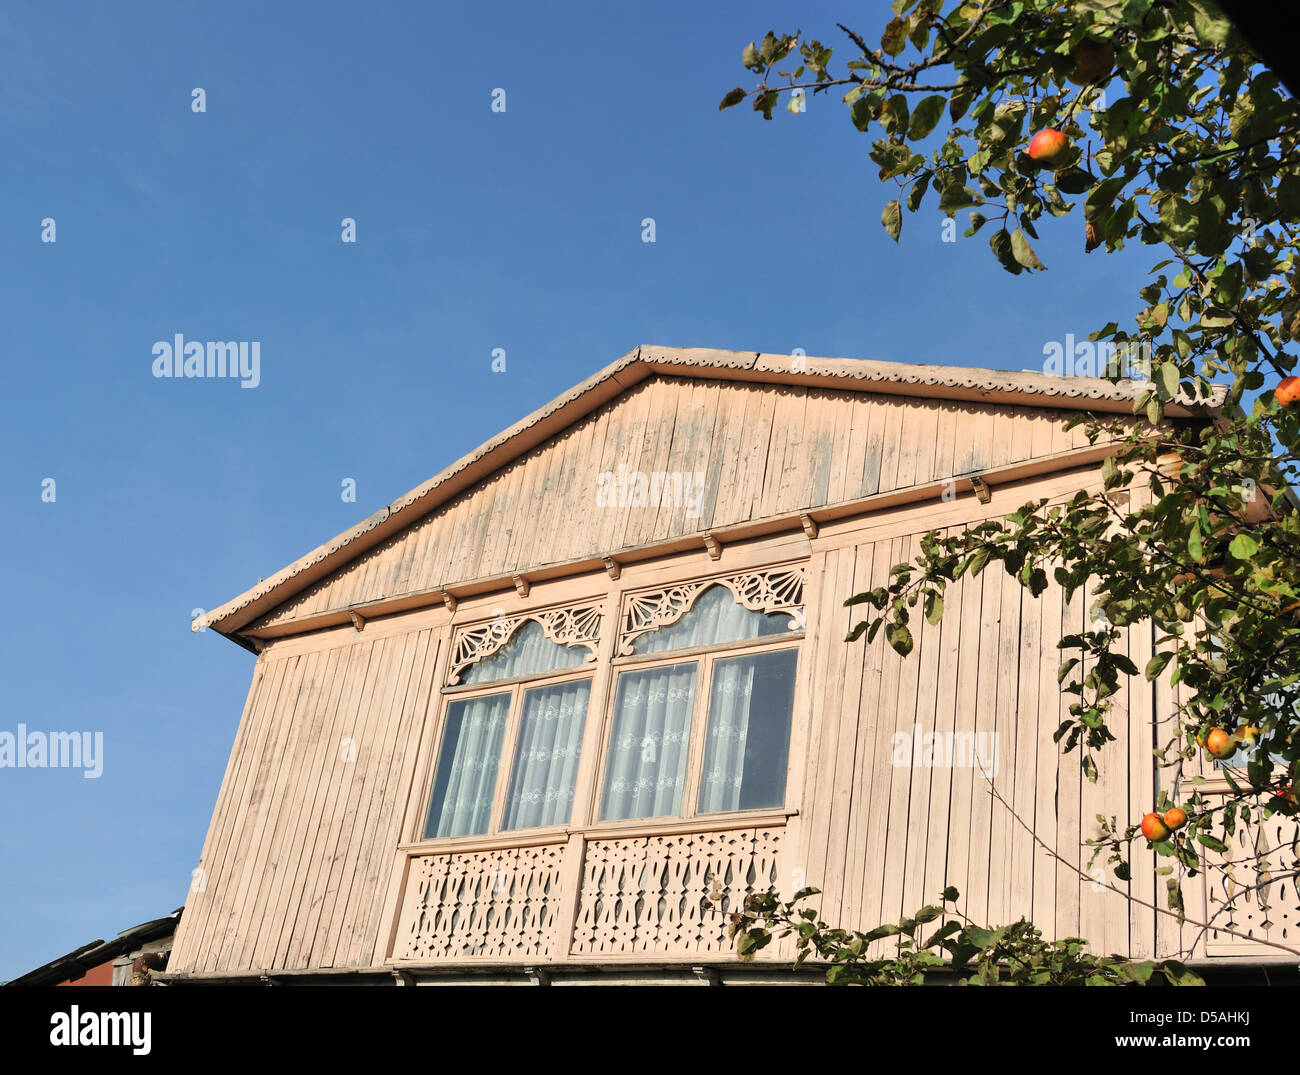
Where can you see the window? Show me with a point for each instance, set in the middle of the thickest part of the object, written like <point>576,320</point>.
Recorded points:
<point>503,712</point>
<point>711,733</point>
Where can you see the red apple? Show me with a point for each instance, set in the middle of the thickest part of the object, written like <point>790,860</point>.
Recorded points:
<point>1287,392</point>
<point>1155,829</point>
<point>1049,148</point>
<point>1175,817</point>
<point>1220,744</point>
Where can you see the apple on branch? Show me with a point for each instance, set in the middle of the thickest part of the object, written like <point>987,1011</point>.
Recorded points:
<point>1155,829</point>
<point>1287,392</point>
<point>1220,744</point>
<point>1049,148</point>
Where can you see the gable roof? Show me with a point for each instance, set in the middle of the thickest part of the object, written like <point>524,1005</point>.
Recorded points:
<point>1022,389</point>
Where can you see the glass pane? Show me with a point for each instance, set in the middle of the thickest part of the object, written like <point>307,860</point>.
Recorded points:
<point>747,742</point>
<point>715,617</point>
<point>647,751</point>
<point>467,767</point>
<point>527,652</point>
<point>546,756</point>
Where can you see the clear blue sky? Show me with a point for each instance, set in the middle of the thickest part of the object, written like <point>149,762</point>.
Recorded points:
<point>476,230</point>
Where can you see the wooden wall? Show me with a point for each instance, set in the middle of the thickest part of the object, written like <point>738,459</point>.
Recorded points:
<point>302,839</point>
<point>301,850</point>
<point>764,450</point>
<point>882,840</point>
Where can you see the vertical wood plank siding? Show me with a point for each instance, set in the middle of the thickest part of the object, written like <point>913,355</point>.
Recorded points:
<point>763,451</point>
<point>301,867</point>
<point>307,819</point>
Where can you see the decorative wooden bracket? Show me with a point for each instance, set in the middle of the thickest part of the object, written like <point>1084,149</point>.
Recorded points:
<point>715,550</point>
<point>358,621</point>
<point>809,525</point>
<point>447,600</point>
<point>522,585</point>
<point>982,491</point>
<point>613,567</point>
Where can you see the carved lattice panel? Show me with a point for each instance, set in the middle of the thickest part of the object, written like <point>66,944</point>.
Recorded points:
<point>650,894</point>
<point>778,589</point>
<point>1262,853</point>
<point>577,625</point>
<point>481,904</point>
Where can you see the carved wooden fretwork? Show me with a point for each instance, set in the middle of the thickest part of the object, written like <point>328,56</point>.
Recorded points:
<point>1260,853</point>
<point>576,625</point>
<point>778,589</point>
<point>481,905</point>
<point>652,894</point>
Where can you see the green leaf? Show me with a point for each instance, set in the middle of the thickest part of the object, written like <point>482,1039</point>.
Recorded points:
<point>900,638</point>
<point>976,222</point>
<point>895,36</point>
<point>1109,472</point>
<point>750,57</point>
<point>934,608</point>
<point>1169,379</point>
<point>1074,181</point>
<point>917,192</point>
<point>1157,665</point>
<point>1243,547</point>
<point>1000,242</point>
<point>733,98</point>
<point>1023,252</point>
<point>892,218</point>
<point>925,116</point>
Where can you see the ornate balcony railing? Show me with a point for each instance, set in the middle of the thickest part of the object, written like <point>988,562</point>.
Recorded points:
<point>583,897</point>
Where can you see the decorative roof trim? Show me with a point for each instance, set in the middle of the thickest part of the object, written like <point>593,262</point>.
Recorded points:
<point>895,378</point>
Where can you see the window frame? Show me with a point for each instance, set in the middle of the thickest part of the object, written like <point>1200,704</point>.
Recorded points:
<point>516,687</point>
<point>704,658</point>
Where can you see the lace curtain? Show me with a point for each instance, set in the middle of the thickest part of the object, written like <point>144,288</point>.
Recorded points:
<point>747,741</point>
<point>466,779</point>
<point>647,751</point>
<point>546,755</point>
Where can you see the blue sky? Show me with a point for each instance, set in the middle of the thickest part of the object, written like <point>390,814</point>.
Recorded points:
<point>475,230</point>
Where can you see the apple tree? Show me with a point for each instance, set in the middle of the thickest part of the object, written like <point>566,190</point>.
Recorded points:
<point>1152,122</point>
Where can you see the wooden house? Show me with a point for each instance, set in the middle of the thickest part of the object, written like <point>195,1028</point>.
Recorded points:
<point>551,714</point>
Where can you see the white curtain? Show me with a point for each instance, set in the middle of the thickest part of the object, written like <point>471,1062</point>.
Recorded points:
<point>528,651</point>
<point>467,767</point>
<point>747,741</point>
<point>549,745</point>
<point>715,617</point>
<point>651,734</point>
